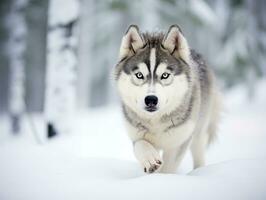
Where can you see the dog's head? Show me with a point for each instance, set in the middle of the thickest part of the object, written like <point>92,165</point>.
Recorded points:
<point>153,73</point>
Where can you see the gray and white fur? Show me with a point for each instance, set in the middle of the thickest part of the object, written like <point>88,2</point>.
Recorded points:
<point>169,98</point>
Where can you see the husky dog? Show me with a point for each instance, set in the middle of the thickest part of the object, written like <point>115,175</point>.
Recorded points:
<point>169,99</point>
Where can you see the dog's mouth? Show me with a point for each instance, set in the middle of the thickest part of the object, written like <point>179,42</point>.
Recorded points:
<point>151,108</point>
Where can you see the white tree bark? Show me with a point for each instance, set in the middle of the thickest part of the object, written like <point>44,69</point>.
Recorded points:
<point>16,49</point>
<point>60,97</point>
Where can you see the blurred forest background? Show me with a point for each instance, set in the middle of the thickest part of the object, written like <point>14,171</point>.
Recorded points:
<point>56,56</point>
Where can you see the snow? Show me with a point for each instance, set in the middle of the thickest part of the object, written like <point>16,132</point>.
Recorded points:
<point>96,160</point>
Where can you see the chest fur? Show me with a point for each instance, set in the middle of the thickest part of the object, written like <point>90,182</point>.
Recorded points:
<point>170,137</point>
<point>161,136</point>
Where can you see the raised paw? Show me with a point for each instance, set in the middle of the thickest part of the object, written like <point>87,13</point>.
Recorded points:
<point>153,167</point>
<point>148,156</point>
<point>151,162</point>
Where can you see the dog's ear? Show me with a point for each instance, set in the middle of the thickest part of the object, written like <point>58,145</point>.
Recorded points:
<point>176,43</point>
<point>131,42</point>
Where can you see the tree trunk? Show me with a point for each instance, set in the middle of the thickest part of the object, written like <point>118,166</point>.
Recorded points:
<point>37,14</point>
<point>5,6</point>
<point>17,45</point>
<point>60,97</point>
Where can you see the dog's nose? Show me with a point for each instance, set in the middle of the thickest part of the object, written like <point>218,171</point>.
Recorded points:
<point>151,100</point>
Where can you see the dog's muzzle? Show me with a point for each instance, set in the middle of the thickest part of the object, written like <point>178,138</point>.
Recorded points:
<point>151,102</point>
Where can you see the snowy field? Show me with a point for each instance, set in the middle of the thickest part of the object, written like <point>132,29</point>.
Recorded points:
<point>96,160</point>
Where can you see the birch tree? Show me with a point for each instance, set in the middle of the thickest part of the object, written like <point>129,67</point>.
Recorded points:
<point>16,49</point>
<point>60,100</point>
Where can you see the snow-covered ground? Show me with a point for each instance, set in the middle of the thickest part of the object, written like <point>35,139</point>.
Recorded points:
<point>96,161</point>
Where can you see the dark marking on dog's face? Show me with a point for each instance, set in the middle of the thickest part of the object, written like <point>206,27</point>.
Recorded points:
<point>174,66</point>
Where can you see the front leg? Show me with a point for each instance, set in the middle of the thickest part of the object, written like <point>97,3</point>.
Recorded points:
<point>148,156</point>
<point>173,157</point>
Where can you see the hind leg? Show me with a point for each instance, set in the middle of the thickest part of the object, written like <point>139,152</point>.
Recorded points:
<point>201,141</point>
<point>198,147</point>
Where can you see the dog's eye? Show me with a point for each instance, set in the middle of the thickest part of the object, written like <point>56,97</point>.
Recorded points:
<point>139,75</point>
<point>165,75</point>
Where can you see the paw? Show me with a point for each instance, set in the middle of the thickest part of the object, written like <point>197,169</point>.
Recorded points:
<point>153,167</point>
<point>151,162</point>
<point>148,156</point>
